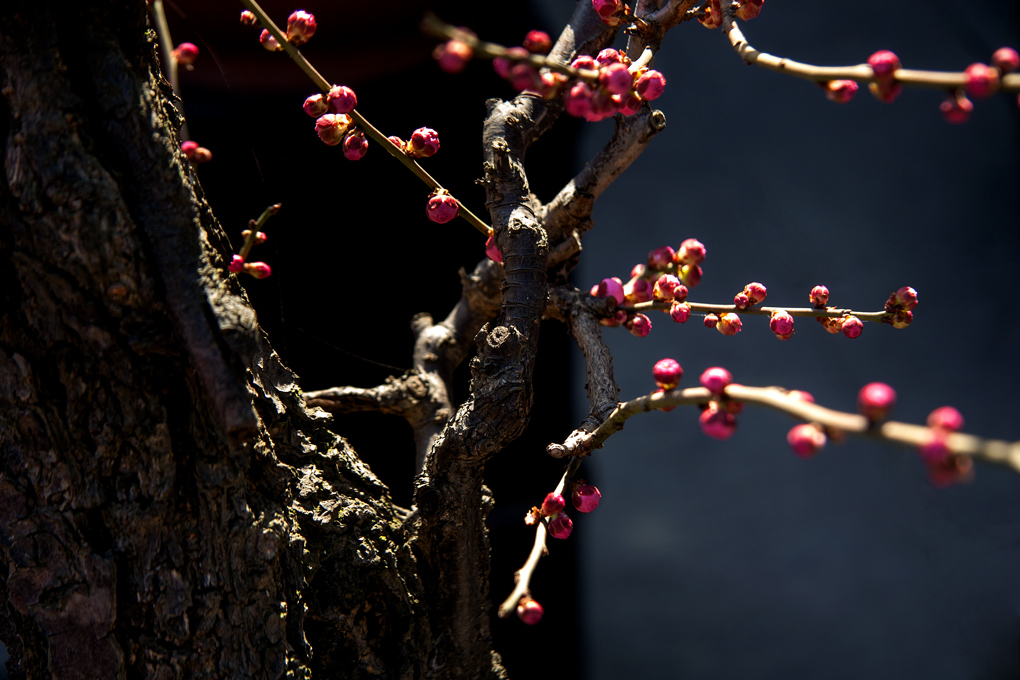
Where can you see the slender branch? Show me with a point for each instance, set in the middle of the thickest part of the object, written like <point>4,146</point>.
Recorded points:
<point>166,45</point>
<point>703,308</point>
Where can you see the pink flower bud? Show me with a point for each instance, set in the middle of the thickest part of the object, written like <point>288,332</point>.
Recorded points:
<point>831,324</point>
<point>741,301</point>
<point>716,379</point>
<point>615,78</point>
<point>840,91</point>
<point>905,298</point>
<point>607,11</point>
<point>560,526</point>
<point>680,293</point>
<point>586,497</point>
<point>186,53</point>
<point>396,141</point>
<point>493,252</point>
<point>537,42</point>
<point>639,325</point>
<point>981,81</point>
<point>584,63</point>
<point>819,296</point>
<point>690,275</point>
<point>188,148</point>
<point>692,251</point>
<point>628,103</point>
<point>315,105</point>
<point>713,17</point>
<point>801,395</point>
<point>331,127</point>
<point>269,41</point>
<point>664,287</point>
<point>729,324</point>
<point>524,77</point>
<point>956,109</point>
<point>885,91</point>
<point>661,257</point>
<point>355,146</point>
<point>248,19</point>
<point>551,84</point>
<point>875,400</point>
<point>1006,59</point>
<point>529,611</point>
<point>902,319</point>
<point>577,100</point>
<point>300,27</point>
<point>442,207</point>
<point>944,469</point>
<point>453,56</point>
<point>609,56</point>
<point>424,142</point>
<point>781,323</point>
<point>884,64</point>
<point>680,311</point>
<point>638,290</point>
<point>602,106</point>
<point>236,264</point>
<point>610,288</point>
<point>756,292</point>
<point>946,418</point>
<point>638,270</point>
<point>711,320</point>
<point>717,423</point>
<point>553,504</point>
<point>650,85</point>
<point>667,373</point>
<point>852,326</point>
<point>806,440</point>
<point>260,270</point>
<point>341,99</point>
<point>749,9</point>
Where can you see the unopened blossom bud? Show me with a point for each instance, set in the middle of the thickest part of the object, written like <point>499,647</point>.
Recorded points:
<point>1006,59</point>
<point>442,207</point>
<point>946,418</point>
<point>729,324</point>
<point>248,19</point>
<point>186,53</point>
<point>551,84</point>
<point>852,326</point>
<point>956,108</point>
<point>602,106</point>
<point>952,470</point>
<point>711,320</point>
<point>560,526</point>
<point>875,400</point>
<point>840,91</point>
<point>806,440</point>
<point>692,251</point>
<point>609,56</point>
<point>716,379</point>
<point>935,450</point>
<point>664,287</point>
<point>195,153</point>
<point>260,270</point>
<point>502,65</point>
<point>529,611</point>
<point>819,296</point>
<point>188,148</point>
<point>690,275</point>
<point>553,504</point>
<point>584,62</point>
<point>749,9</point>
<point>638,270</point>
<point>537,42</point>
<point>713,17</point>
<point>639,325</point>
<point>638,290</point>
<point>355,146</point>
<point>628,103</point>
<point>741,301</point>
<point>661,257</point>
<point>680,312</point>
<point>667,373</point>
<point>884,64</point>
<point>331,127</point>
<point>801,395</point>
<point>756,292</point>
<point>453,56</point>
<point>269,41</point>
<point>781,323</point>
<point>424,142</point>
<point>981,80</point>
<point>577,100</point>
<point>650,85</point>
<point>492,251</point>
<point>341,99</point>
<point>885,91</point>
<point>300,27</point>
<point>397,142</point>
<point>315,105</point>
<point>680,293</point>
<point>260,237</point>
<point>615,78</point>
<point>236,264</point>
<point>610,288</point>
<point>902,319</point>
<point>717,423</point>
<point>905,298</point>
<point>586,497</point>
<point>607,11</point>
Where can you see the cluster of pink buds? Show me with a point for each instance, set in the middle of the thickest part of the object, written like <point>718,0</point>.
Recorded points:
<point>300,28</point>
<point>253,237</point>
<point>424,142</point>
<point>515,66</point>
<point>185,54</point>
<point>746,10</point>
<point>849,324</point>
<point>980,82</point>
<point>752,294</point>
<point>333,125</point>
<point>194,153</point>
<point>620,88</point>
<point>944,468</point>
<point>899,308</point>
<point>441,207</point>
<point>718,418</point>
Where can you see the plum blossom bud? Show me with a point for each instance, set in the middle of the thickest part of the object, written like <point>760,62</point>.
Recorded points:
<point>902,319</point>
<point>713,17</point>
<point>260,237</point>
<point>607,11</point>
<point>946,418</point>
<point>300,27</point>
<point>355,146</point>
<point>602,106</point>
<point>806,440</point>
<point>729,324</point>
<point>560,526</point>
<point>741,301</point>
<point>819,296</point>
<point>186,53</point>
<point>981,81</point>
<point>840,91</point>
<point>524,77</point>
<point>638,270</point>
<point>956,108</point>
<point>453,56</point>
<point>905,298</point>
<point>711,320</point>
<point>717,423</point>
<point>667,373</point>
<point>529,611</point>
<point>638,290</point>
<point>664,287</point>
<point>801,395</point>
<point>553,504</point>
<point>341,99</point>
<point>424,142</point>
<point>188,148</point>
<point>502,65</point>
<point>680,311</point>
<point>628,103</point>
<point>950,470</point>
<point>680,293</point>
<point>260,270</point>
<point>248,19</point>
<point>884,64</point>
<point>716,379</point>
<point>315,105</point>
<point>586,497</point>
<point>492,251</point>
<point>577,100</point>
<point>639,325</point>
<point>331,127</point>
<point>692,251</point>
<point>852,326</point>
<point>749,9</point>
<point>442,207</point>
<point>875,400</point>
<point>396,141</point>
<point>661,257</point>
<point>1006,59</point>
<point>690,275</point>
<point>584,62</point>
<point>615,78</point>
<point>756,292</point>
<point>885,91</point>
<point>650,85</point>
<point>609,56</point>
<point>830,324</point>
<point>537,42</point>
<point>195,153</point>
<point>269,41</point>
<point>781,324</point>
<point>551,84</point>
<point>610,288</point>
<point>236,264</point>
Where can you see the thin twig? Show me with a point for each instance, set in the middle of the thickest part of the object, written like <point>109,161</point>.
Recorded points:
<point>704,308</point>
